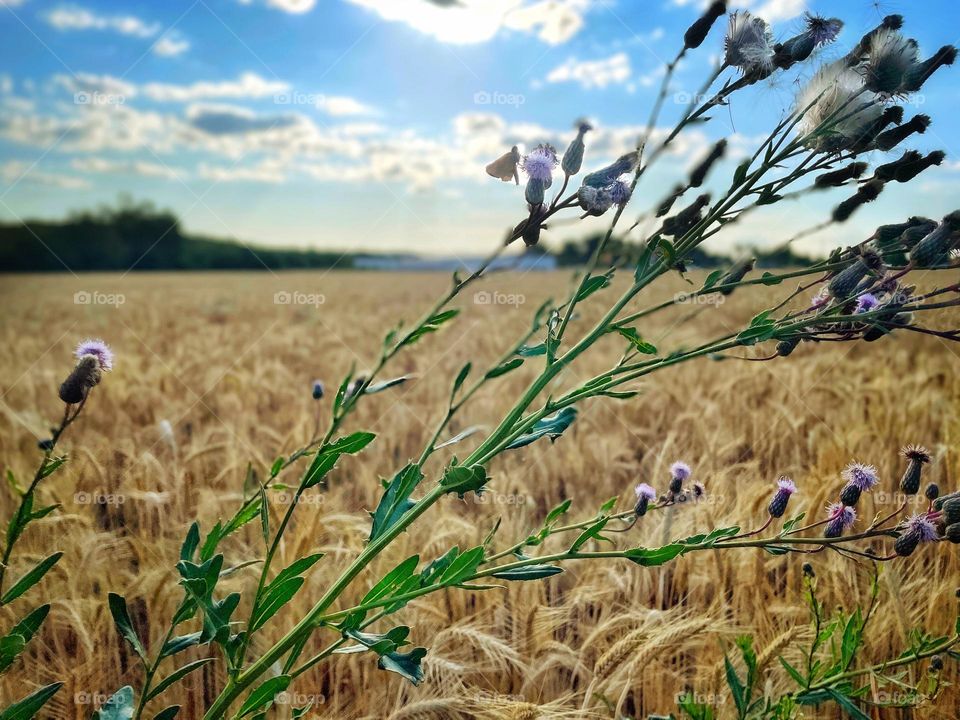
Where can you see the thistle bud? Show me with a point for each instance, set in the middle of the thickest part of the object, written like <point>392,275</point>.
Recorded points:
<point>787,346</point>
<point>916,456</point>
<point>737,272</point>
<point>940,501</point>
<point>679,473</point>
<point>317,390</point>
<point>700,172</point>
<point>932,492</point>
<point>808,570</point>
<point>605,176</point>
<point>891,138</point>
<point>936,663</point>
<point>679,224</point>
<point>645,493</point>
<point>534,191</point>
<point>84,376</point>
<point>952,533</point>
<point>593,201</point>
<point>573,157</point>
<point>920,73</point>
<point>907,171</point>
<point>936,245</point>
<point>868,134</point>
<point>865,194</point>
<point>667,204</point>
<point>839,177</point>
<point>778,505</point>
<point>850,494</point>
<point>951,511</point>
<point>844,283</point>
<point>697,33</point>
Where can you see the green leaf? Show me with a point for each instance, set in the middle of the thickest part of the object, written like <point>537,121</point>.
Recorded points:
<point>736,687</point>
<point>431,325</point>
<point>591,286</point>
<point>740,174</point>
<point>591,533</point>
<point>529,572</point>
<point>118,707</point>
<point>405,664</point>
<point>552,426</point>
<point>847,704</point>
<point>51,465</point>
<point>396,500</point>
<point>790,524</point>
<point>380,643</point>
<point>757,333</point>
<point>460,379</point>
<point>16,640</point>
<point>463,435</point>
<point>168,713</point>
<point>463,566</point>
<point>768,278</point>
<point>793,672</point>
<point>297,567</point>
<point>121,618</point>
<point>506,367</point>
<point>652,557</point>
<point>190,542</point>
<point>393,579</point>
<point>326,458</point>
<point>532,350</point>
<point>263,696</point>
<point>712,279</point>
<point>180,643</point>
<point>557,512</point>
<point>638,342</point>
<point>28,707</point>
<point>31,578</point>
<point>461,479</point>
<point>176,675</point>
<point>274,599</point>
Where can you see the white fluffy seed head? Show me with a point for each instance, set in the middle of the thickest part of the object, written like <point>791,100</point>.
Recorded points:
<point>834,94</point>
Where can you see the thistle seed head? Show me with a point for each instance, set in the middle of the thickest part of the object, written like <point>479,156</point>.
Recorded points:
<point>748,44</point>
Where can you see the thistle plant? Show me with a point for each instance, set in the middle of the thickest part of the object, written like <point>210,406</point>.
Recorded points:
<point>94,358</point>
<point>841,123</point>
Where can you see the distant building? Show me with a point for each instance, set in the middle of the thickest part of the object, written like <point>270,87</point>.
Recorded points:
<point>527,262</point>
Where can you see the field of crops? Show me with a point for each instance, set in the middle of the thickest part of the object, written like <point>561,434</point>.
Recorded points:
<point>213,373</point>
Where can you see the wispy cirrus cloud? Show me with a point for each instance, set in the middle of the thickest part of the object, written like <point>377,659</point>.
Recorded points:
<point>67,18</point>
<point>593,73</point>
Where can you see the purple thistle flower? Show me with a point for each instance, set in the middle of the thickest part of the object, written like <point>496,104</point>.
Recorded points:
<point>840,517</point>
<point>917,529</point>
<point>539,163</point>
<point>99,349</point>
<point>644,490</point>
<point>785,488</point>
<point>862,476</point>
<point>821,298</point>
<point>866,303</point>
<point>680,471</point>
<point>620,193</point>
<point>645,493</point>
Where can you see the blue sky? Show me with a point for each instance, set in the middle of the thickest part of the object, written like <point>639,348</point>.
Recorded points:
<point>365,124</point>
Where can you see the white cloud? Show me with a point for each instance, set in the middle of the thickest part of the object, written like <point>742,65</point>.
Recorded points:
<point>17,171</point>
<point>127,167</point>
<point>266,172</point>
<point>171,45</point>
<point>293,6</point>
<point>248,85</point>
<point>475,21</point>
<point>77,18</point>
<point>770,10</point>
<point>91,89</point>
<point>11,3</point>
<point>593,73</point>
<point>339,106</point>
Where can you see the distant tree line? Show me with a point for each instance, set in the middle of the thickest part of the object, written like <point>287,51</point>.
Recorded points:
<point>140,236</point>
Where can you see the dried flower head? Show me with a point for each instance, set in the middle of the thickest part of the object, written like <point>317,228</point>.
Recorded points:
<point>620,193</point>
<point>890,57</point>
<point>749,43</point>
<point>833,99</point>
<point>917,456</point>
<point>84,376</point>
<point>99,349</point>
<point>824,30</point>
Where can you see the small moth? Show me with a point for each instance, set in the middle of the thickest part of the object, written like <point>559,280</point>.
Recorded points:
<point>505,166</point>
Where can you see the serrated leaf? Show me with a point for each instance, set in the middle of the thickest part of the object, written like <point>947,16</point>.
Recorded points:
<point>462,479</point>
<point>327,457</point>
<point>552,426</point>
<point>16,640</point>
<point>406,664</point>
<point>121,618</point>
